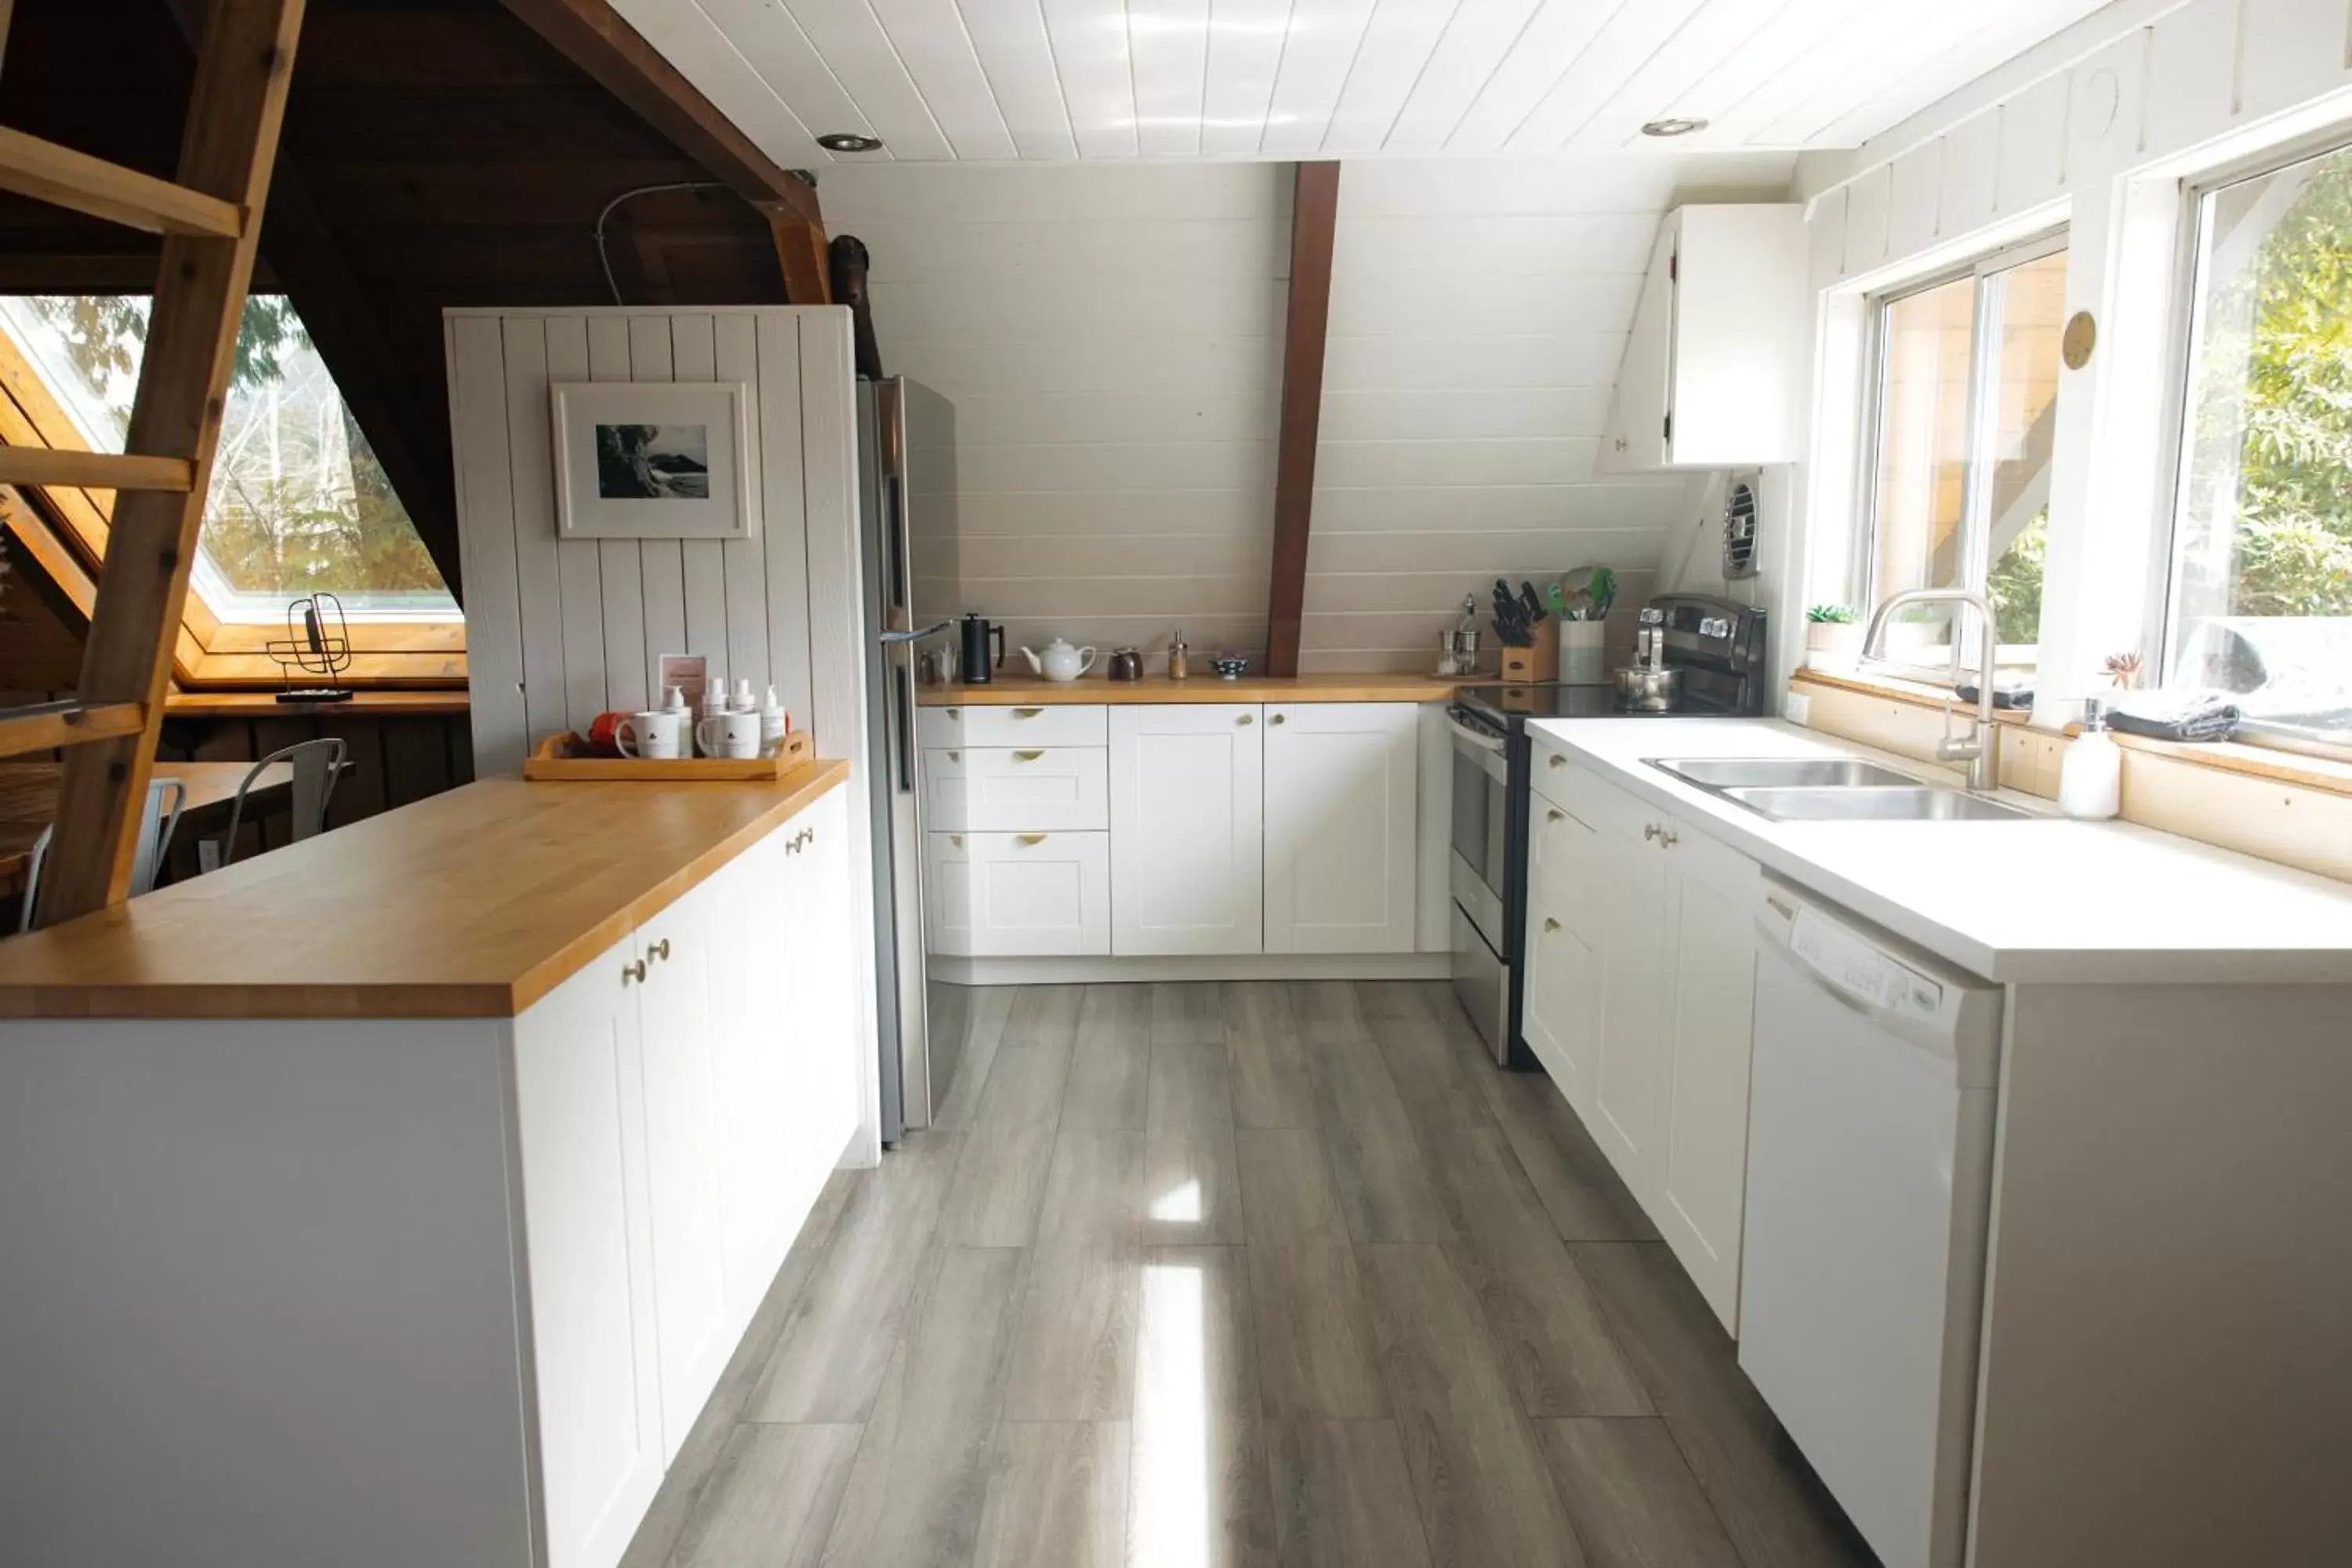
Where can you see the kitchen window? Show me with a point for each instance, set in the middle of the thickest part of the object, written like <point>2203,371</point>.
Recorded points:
<point>2259,601</point>
<point>1957,485</point>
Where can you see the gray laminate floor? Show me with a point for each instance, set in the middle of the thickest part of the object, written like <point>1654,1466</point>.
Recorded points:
<point>1195,1275</point>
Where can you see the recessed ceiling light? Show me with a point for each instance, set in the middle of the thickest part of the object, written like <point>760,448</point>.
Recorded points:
<point>1672,127</point>
<point>849,141</point>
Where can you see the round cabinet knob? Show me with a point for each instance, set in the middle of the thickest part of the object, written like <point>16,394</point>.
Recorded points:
<point>1554,816</point>
<point>1556,760</point>
<point>1621,443</point>
<point>1551,924</point>
<point>1246,719</point>
<point>659,950</point>
<point>1273,718</point>
<point>1667,838</point>
<point>1650,830</point>
<point>634,970</point>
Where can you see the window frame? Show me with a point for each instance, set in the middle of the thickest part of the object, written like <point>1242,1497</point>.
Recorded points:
<point>67,528</point>
<point>1984,370</point>
<point>2180,351</point>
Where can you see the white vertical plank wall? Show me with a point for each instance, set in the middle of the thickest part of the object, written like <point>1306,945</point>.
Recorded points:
<point>560,630</point>
<point>563,629</point>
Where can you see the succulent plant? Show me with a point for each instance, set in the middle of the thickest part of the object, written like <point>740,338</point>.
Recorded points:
<point>1831,615</point>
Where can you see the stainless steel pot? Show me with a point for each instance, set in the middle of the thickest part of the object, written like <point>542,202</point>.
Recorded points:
<point>1646,690</point>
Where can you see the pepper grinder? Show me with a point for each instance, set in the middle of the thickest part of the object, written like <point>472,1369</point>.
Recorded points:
<point>1179,659</point>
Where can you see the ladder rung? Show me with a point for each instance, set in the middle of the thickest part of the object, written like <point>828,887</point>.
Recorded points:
<point>95,471</point>
<point>67,723</point>
<point>47,171</point>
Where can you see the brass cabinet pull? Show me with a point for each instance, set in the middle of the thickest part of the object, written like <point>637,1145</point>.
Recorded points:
<point>1027,838</point>
<point>956,839</point>
<point>955,757</point>
<point>1556,760</point>
<point>1026,712</point>
<point>1026,756</point>
<point>659,950</point>
<point>1667,839</point>
<point>1650,830</point>
<point>1273,718</point>
<point>1554,815</point>
<point>1246,719</point>
<point>1551,924</point>
<point>634,970</point>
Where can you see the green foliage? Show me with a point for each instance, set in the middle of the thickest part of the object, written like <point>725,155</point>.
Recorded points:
<point>1831,615</point>
<point>2014,583</point>
<point>2273,414</point>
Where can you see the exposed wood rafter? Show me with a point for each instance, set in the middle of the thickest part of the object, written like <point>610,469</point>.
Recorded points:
<point>601,42</point>
<point>1314,213</point>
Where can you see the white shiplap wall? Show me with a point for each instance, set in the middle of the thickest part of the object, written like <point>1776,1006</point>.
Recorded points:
<point>560,630</point>
<point>1111,339</point>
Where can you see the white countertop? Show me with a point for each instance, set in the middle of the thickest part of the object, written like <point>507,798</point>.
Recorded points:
<point>2023,902</point>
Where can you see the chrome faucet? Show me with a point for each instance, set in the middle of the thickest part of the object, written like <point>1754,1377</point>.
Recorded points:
<point>1982,747</point>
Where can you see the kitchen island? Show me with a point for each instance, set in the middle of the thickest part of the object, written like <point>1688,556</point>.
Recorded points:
<point>399,1196</point>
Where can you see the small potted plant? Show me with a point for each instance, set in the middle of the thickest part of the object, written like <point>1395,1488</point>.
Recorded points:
<point>1833,639</point>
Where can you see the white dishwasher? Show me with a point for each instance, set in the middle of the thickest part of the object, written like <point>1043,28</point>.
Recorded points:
<point>1869,1179</point>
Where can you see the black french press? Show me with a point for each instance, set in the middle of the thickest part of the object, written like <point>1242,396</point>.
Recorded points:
<point>978,667</point>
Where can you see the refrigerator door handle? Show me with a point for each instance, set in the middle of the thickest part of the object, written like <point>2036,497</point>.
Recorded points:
<point>918,634</point>
<point>902,685</point>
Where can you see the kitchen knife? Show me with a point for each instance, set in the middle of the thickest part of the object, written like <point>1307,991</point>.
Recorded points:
<point>1533,603</point>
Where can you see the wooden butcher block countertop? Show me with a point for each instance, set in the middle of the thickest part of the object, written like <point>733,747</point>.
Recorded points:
<point>471,904</point>
<point>1029,691</point>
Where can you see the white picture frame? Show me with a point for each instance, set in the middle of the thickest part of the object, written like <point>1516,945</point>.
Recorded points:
<point>663,459</point>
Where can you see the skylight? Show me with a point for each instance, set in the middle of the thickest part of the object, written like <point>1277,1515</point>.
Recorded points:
<point>299,504</point>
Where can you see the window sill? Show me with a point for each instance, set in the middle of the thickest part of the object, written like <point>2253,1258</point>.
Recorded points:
<point>248,704</point>
<point>2325,774</point>
<point>1916,693</point>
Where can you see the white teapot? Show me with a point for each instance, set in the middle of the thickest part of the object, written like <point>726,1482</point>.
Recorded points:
<point>1060,661</point>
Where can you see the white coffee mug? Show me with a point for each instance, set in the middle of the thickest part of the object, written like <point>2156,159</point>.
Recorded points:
<point>654,733</point>
<point>728,735</point>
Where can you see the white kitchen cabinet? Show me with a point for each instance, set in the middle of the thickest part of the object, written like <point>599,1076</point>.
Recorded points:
<point>1187,819</point>
<point>579,1121</point>
<point>1712,372</point>
<point>1701,1181</point>
<point>1342,829</point>
<point>1640,990</point>
<point>1016,895</point>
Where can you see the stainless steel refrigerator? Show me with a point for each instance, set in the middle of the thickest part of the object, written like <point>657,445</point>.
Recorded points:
<point>906,450</point>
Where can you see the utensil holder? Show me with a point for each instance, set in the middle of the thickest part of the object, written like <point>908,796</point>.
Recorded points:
<point>1583,661</point>
<point>1540,660</point>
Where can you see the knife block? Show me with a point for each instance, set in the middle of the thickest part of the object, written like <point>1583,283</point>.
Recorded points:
<point>1540,660</point>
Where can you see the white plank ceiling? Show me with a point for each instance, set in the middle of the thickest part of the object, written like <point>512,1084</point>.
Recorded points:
<point>1063,80</point>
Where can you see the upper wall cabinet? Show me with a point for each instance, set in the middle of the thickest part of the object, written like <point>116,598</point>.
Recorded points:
<point>1713,375</point>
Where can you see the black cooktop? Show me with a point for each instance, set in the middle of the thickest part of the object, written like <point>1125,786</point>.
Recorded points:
<point>1544,700</point>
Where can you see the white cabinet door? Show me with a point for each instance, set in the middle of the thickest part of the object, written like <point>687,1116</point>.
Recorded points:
<point>753,943</point>
<point>1187,813</point>
<point>1625,923</point>
<point>685,1138</point>
<point>1341,837</point>
<point>580,1124</point>
<point>1702,1141</point>
<point>1637,416</point>
<point>1020,894</point>
<point>1561,1014</point>
<point>822,996</point>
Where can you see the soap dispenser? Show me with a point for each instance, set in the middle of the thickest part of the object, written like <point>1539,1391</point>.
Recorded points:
<point>2091,775</point>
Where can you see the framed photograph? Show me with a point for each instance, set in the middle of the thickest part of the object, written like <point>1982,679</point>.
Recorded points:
<point>653,459</point>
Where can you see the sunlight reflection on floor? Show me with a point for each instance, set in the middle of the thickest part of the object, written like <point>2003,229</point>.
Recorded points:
<point>1169,1524</point>
<point>1179,1203</point>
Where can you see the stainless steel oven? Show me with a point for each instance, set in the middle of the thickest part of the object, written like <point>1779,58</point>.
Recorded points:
<point>1479,879</point>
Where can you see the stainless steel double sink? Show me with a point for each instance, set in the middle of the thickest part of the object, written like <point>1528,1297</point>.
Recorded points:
<point>1832,789</point>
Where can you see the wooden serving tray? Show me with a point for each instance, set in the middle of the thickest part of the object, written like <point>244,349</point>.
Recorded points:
<point>559,758</point>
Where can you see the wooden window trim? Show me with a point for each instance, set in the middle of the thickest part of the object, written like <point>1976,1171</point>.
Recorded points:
<point>66,531</point>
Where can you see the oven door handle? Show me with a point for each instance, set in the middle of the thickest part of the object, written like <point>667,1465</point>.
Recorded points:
<point>1468,736</point>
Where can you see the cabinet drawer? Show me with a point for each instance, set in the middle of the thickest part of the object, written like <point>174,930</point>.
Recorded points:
<point>1005,789</point>
<point>1001,894</point>
<point>1045,724</point>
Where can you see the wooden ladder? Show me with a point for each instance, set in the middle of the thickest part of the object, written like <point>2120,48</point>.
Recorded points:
<point>210,218</point>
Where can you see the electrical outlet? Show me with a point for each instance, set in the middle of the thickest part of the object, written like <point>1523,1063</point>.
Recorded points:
<point>1798,709</point>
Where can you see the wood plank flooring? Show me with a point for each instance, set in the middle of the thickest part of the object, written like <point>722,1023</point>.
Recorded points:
<point>1281,1276</point>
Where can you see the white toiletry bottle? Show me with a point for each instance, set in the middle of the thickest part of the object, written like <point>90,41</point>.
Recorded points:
<point>714,706</point>
<point>771,725</point>
<point>677,702</point>
<point>2091,777</point>
<point>745,701</point>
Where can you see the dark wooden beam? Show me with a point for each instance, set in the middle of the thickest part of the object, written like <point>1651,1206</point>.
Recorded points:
<point>1314,211</point>
<point>601,42</point>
